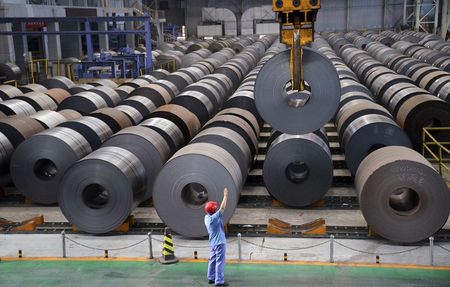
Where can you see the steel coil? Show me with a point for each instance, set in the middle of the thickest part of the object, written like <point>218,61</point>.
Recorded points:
<point>401,195</point>
<point>298,169</point>
<point>284,112</point>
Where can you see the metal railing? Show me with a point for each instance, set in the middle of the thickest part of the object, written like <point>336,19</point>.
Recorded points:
<point>438,151</point>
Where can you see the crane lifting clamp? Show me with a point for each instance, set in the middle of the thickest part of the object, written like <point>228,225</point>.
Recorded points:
<point>296,19</point>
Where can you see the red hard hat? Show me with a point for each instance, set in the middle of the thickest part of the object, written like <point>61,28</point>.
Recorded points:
<point>211,207</point>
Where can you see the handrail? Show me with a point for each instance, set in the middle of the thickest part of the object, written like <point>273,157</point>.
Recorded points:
<point>426,147</point>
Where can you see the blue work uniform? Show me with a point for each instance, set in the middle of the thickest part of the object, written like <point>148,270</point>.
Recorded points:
<point>217,242</point>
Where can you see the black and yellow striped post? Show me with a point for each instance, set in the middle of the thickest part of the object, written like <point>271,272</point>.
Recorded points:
<point>168,252</point>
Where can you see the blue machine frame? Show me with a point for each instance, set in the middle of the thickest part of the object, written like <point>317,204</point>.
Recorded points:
<point>87,30</point>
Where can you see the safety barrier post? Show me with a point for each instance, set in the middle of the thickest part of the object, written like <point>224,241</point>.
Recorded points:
<point>63,238</point>
<point>431,250</point>
<point>331,248</point>
<point>150,247</point>
<point>239,247</point>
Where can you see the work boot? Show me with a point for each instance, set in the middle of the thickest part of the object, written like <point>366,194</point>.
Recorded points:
<point>210,281</point>
<point>222,284</point>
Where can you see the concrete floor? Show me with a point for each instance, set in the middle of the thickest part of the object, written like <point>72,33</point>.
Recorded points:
<point>85,273</point>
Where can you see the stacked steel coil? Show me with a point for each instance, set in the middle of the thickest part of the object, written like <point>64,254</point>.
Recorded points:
<point>15,130</point>
<point>431,41</point>
<point>199,45</point>
<point>412,108</point>
<point>222,44</point>
<point>283,108</point>
<point>146,148</point>
<point>75,139</point>
<point>363,126</point>
<point>401,195</point>
<point>219,156</point>
<point>8,92</point>
<point>9,72</point>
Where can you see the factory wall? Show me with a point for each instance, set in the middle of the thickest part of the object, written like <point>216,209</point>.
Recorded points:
<point>332,16</point>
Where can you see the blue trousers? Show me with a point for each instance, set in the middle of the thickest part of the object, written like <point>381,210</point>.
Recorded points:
<point>216,264</point>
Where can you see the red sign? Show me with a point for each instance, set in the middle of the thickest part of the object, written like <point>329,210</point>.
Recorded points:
<point>35,25</point>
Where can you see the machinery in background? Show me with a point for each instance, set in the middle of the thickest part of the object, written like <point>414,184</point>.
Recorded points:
<point>126,63</point>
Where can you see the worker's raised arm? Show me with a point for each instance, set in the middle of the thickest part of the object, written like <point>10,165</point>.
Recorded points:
<point>224,201</point>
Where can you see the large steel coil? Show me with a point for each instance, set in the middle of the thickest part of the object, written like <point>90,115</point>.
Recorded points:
<point>58,95</point>
<point>298,169</point>
<point>59,82</point>
<point>16,107</point>
<point>8,92</point>
<point>84,102</point>
<point>80,88</point>
<point>401,195</point>
<point>9,72</point>
<point>59,148</point>
<point>296,113</point>
<point>33,88</point>
<point>99,192</point>
<point>197,173</point>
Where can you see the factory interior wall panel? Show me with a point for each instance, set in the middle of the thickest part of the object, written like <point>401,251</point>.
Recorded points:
<point>7,52</point>
<point>194,15</point>
<point>267,28</point>
<point>70,45</point>
<point>209,30</point>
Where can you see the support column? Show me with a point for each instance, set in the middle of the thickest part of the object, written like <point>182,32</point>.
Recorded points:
<point>436,17</point>
<point>347,15</point>
<point>444,19</point>
<point>103,38</point>
<point>418,10</point>
<point>130,37</point>
<point>7,53</point>
<point>53,43</point>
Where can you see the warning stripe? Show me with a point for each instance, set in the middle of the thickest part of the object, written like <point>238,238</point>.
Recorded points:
<point>168,242</point>
<point>168,247</point>
<point>167,253</point>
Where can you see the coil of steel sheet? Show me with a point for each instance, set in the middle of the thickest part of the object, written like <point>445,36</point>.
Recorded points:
<point>197,103</point>
<point>104,82</point>
<point>364,127</point>
<point>8,92</point>
<point>59,82</point>
<point>84,102</point>
<point>171,133</point>
<point>158,94</point>
<point>296,113</point>
<point>421,111</point>
<point>159,73</point>
<point>16,107</point>
<point>80,88</point>
<point>10,72</point>
<point>13,131</point>
<point>401,195</point>
<point>58,95</point>
<point>110,96</point>
<point>49,119</point>
<point>298,169</point>
<point>135,83</point>
<point>60,148</point>
<point>136,108</point>
<point>100,191</point>
<point>39,101</point>
<point>195,174</point>
<point>149,146</point>
<point>33,88</point>
<point>187,121</point>
<point>115,119</point>
<point>124,91</point>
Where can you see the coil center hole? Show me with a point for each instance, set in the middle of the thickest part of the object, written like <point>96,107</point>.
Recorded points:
<point>45,169</point>
<point>294,98</point>
<point>95,196</point>
<point>404,201</point>
<point>194,195</point>
<point>297,172</point>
